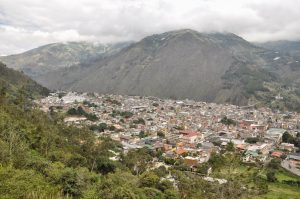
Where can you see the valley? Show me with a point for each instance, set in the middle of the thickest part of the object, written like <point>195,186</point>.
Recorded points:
<point>182,64</point>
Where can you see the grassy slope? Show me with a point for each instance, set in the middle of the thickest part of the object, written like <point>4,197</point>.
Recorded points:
<point>276,190</point>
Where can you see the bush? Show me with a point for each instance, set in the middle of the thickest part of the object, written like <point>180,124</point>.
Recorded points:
<point>271,176</point>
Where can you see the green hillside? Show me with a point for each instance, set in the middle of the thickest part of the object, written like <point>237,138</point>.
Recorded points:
<point>40,157</point>
<point>13,81</point>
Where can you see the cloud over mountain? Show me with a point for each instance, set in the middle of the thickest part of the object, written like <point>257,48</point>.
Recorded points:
<point>25,24</point>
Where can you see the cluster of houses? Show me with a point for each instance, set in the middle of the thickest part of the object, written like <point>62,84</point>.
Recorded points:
<point>187,129</point>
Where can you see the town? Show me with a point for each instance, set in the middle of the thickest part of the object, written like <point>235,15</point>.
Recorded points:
<point>183,129</point>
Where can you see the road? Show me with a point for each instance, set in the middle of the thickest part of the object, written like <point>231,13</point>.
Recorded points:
<point>290,167</point>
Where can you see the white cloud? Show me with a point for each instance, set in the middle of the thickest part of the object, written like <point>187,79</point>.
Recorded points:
<point>30,23</point>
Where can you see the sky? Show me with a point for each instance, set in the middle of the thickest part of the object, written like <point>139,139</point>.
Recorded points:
<point>26,24</point>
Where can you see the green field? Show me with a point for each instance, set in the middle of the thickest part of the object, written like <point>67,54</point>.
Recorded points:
<point>277,190</point>
<point>281,191</point>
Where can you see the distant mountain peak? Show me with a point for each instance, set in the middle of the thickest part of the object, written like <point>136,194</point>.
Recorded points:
<point>54,56</point>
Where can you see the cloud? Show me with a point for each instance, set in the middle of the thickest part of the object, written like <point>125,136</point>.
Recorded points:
<point>25,24</point>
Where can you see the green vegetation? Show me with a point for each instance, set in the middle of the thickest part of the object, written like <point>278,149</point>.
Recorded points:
<point>14,83</point>
<point>139,121</point>
<point>89,104</point>
<point>261,86</point>
<point>155,104</point>
<point>40,157</point>
<point>101,127</point>
<point>80,112</point>
<point>228,121</point>
<point>124,114</point>
<point>160,134</point>
<point>252,140</point>
<point>288,138</point>
<point>252,80</point>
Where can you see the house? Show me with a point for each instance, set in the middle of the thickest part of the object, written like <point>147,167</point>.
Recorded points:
<point>180,151</point>
<point>277,154</point>
<point>294,156</point>
<point>275,134</point>
<point>250,156</point>
<point>241,147</point>
<point>287,146</point>
<point>189,136</point>
<point>125,138</point>
<point>245,124</point>
<point>257,152</point>
<point>257,127</point>
<point>167,147</point>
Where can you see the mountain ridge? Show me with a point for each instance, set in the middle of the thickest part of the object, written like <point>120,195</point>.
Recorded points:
<point>196,48</point>
<point>51,57</point>
<point>180,64</point>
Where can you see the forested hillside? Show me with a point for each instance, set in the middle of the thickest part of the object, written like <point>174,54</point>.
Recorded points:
<point>12,81</point>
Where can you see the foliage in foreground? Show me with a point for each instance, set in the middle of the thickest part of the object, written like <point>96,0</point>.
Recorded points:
<point>40,157</point>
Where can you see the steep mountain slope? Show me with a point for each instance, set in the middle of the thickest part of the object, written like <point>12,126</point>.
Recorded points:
<point>291,48</point>
<point>220,67</point>
<point>13,81</point>
<point>59,55</point>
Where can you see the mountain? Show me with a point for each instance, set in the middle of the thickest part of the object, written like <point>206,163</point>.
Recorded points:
<point>54,56</point>
<point>13,81</point>
<point>212,67</point>
<point>291,48</point>
<point>218,67</point>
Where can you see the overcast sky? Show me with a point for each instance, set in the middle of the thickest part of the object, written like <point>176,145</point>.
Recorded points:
<point>25,24</point>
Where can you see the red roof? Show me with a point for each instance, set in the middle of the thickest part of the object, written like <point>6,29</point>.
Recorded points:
<point>277,154</point>
<point>189,133</point>
<point>180,151</point>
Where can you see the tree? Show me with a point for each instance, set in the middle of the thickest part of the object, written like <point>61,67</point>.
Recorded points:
<point>70,183</point>
<point>216,160</point>
<point>271,176</point>
<point>160,134</point>
<point>17,183</point>
<point>203,168</point>
<point>142,134</point>
<point>102,127</point>
<point>123,192</point>
<point>164,185</point>
<point>155,104</point>
<point>261,185</point>
<point>104,165</point>
<point>3,92</point>
<point>161,171</point>
<point>149,179</point>
<point>274,163</point>
<point>126,114</point>
<point>138,160</point>
<point>139,121</point>
<point>288,138</point>
<point>227,121</point>
<point>230,146</point>
<point>171,194</point>
<point>152,193</point>
<point>252,140</point>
